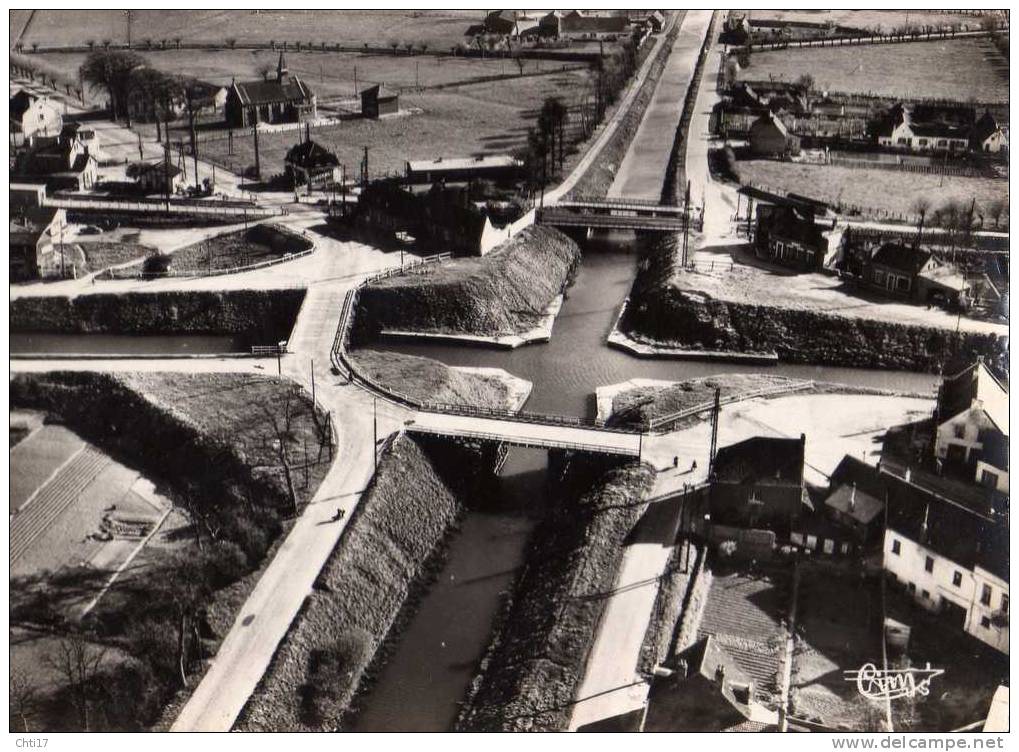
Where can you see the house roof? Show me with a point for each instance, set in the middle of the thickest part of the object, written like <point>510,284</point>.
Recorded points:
<point>310,154</point>
<point>857,504</point>
<point>762,460</point>
<point>462,163</point>
<point>769,118</point>
<point>28,223</point>
<point>985,127</point>
<point>975,386</point>
<point>902,257</point>
<point>20,103</point>
<point>785,222</point>
<point>138,169</point>
<point>290,89</point>
<point>578,24</point>
<point>379,92</point>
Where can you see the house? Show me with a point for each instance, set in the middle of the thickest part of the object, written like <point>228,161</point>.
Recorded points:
<point>32,231</point>
<point>895,268</point>
<point>156,177</point>
<point>972,426</point>
<point>769,137</point>
<point>61,162</point>
<point>87,136</point>
<point>987,136</point>
<point>502,22</point>
<point>576,26</point>
<point>735,29</point>
<point>440,219</point>
<point>312,165</point>
<point>997,714</point>
<point>743,96</point>
<point>759,482</point>
<point>655,21</point>
<point>703,689</point>
<point>855,500</point>
<point>31,115</point>
<point>286,99</point>
<point>790,237</point>
<point>494,167</point>
<point>953,560</point>
<point>931,129</point>
<point>377,101</point>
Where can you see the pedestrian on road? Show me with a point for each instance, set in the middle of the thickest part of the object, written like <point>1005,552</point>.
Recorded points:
<point>693,466</point>
<point>339,515</point>
<point>675,462</point>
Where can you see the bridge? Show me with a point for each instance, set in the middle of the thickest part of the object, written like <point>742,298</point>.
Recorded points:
<point>184,206</point>
<point>615,214</point>
<point>533,431</point>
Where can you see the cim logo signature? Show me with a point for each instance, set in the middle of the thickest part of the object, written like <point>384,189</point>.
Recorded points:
<point>892,684</point>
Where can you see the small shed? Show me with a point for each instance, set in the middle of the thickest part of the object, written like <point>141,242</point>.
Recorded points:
<point>156,177</point>
<point>377,101</point>
<point>311,164</point>
<point>769,137</point>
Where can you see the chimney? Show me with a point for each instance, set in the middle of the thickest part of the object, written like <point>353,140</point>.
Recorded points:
<point>852,498</point>
<point>923,527</point>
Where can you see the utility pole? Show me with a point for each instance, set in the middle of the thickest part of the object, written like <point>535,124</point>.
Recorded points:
<point>127,15</point>
<point>258,164</point>
<point>714,429</point>
<point>686,226</point>
<point>355,81</point>
<point>191,127</point>
<point>364,168</point>
<point>375,434</point>
<point>313,400</point>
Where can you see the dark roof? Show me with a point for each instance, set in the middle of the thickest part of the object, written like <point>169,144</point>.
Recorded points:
<point>20,103</point>
<point>985,127</point>
<point>380,92</point>
<point>856,490</point>
<point>761,460</point>
<point>310,154</point>
<point>291,89</point>
<point>786,222</point>
<point>903,257</point>
<point>138,169</point>
<point>28,223</point>
<point>593,24</point>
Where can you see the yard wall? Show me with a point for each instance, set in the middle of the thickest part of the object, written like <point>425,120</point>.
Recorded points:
<point>372,580</point>
<point>258,316</point>
<point>695,321</point>
<point>533,668</point>
<point>504,292</point>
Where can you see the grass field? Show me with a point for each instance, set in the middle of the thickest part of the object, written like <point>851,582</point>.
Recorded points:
<point>880,20</point>
<point>887,191</point>
<point>101,254</point>
<point>961,69</point>
<point>53,27</point>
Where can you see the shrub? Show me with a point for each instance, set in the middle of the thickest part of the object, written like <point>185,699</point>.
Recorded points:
<point>156,265</point>
<point>727,549</point>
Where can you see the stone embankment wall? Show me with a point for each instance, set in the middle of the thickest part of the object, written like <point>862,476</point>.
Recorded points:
<point>504,292</point>
<point>261,316</point>
<point>696,321</point>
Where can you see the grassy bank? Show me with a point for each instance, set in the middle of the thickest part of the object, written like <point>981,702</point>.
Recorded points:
<point>229,449</point>
<point>384,558</point>
<point>530,675</point>
<point>260,316</point>
<point>426,380</point>
<point>505,292</point>
<point>235,249</point>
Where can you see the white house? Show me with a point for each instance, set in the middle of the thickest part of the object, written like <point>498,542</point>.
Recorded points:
<point>903,132</point>
<point>972,433</point>
<point>988,136</point>
<point>953,560</point>
<point>31,115</point>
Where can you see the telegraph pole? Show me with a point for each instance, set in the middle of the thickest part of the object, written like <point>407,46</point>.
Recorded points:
<point>191,127</point>
<point>375,434</point>
<point>714,429</point>
<point>686,225</point>
<point>127,15</point>
<point>258,164</point>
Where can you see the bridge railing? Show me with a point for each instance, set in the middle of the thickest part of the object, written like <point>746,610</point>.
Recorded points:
<point>664,422</point>
<point>569,421</point>
<point>578,446</point>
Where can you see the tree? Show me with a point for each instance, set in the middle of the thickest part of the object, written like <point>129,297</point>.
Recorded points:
<point>110,71</point>
<point>281,434</point>
<point>995,209</point>
<point>231,42</point>
<point>921,206</point>
<point>805,83</point>
<point>79,664</point>
<point>394,44</point>
<point>552,118</point>
<point>24,697</point>
<point>409,46</point>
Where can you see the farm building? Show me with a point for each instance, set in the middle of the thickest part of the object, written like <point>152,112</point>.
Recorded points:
<point>61,162</point>
<point>312,165</point>
<point>703,689</point>
<point>287,99</point>
<point>911,272</point>
<point>790,237</point>
<point>496,167</point>
<point>972,432</point>
<point>32,231</point>
<point>953,560</point>
<point>156,177</point>
<point>577,26</point>
<point>769,137</point>
<point>855,500</point>
<point>988,136</point>
<point>31,115</point>
<point>759,483</point>
<point>377,101</point>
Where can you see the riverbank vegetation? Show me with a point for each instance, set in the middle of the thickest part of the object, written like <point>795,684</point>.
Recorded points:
<point>529,677</point>
<point>504,292</point>
<point>238,454</point>
<point>385,558</point>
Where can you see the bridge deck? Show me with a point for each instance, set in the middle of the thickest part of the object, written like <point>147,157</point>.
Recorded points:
<point>537,435</point>
<point>621,204</point>
<point>566,218</point>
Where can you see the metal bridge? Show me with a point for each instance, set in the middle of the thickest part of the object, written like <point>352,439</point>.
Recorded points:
<point>615,214</point>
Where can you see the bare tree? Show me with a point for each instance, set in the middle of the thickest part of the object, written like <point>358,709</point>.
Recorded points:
<point>79,664</point>
<point>24,698</point>
<point>281,433</point>
<point>994,211</point>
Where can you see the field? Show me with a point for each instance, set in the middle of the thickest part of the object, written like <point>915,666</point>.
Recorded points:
<point>101,254</point>
<point>441,29</point>
<point>961,69</point>
<point>880,20</point>
<point>838,627</point>
<point>745,612</point>
<point>880,193</point>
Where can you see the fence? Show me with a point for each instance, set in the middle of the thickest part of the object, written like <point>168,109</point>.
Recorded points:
<point>661,423</point>
<point>150,205</point>
<point>867,164</point>
<point>861,39</point>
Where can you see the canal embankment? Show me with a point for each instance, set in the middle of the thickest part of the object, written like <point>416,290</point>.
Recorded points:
<point>507,292</point>
<point>530,673</point>
<point>370,586</point>
<point>249,317</point>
